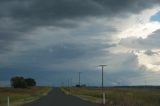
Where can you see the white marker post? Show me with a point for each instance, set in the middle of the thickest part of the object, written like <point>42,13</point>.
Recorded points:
<point>8,101</point>
<point>104,98</point>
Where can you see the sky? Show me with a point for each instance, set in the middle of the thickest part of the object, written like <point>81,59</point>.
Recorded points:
<point>53,40</point>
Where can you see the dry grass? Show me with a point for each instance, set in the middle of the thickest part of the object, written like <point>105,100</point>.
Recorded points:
<point>119,96</point>
<point>19,96</point>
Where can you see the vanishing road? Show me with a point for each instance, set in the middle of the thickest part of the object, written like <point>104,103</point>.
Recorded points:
<point>57,98</point>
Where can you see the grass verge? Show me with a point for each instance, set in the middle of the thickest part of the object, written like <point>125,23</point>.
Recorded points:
<point>20,96</point>
<point>118,96</point>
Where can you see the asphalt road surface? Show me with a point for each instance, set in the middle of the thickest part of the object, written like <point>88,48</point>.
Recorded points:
<point>57,98</point>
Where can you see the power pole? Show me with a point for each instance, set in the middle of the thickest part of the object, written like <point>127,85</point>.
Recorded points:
<point>102,75</point>
<point>103,93</point>
<point>79,78</point>
<point>68,83</point>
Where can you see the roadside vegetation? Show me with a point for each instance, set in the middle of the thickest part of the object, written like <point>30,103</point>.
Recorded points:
<point>22,90</point>
<point>19,96</point>
<point>118,96</point>
<point>21,82</point>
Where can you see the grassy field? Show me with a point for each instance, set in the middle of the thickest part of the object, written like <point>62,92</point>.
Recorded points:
<point>118,96</point>
<point>20,96</point>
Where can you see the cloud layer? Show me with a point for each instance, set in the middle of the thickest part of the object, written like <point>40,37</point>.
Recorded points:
<point>65,36</point>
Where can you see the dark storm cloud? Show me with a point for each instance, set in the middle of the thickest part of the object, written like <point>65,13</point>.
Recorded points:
<point>59,54</point>
<point>24,15</point>
<point>7,39</point>
<point>40,12</point>
<point>18,18</point>
<point>4,40</point>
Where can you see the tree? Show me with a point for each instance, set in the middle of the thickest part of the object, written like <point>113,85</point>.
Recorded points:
<point>20,82</point>
<point>30,82</point>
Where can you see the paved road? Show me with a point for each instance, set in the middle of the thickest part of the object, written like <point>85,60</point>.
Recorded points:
<point>57,98</point>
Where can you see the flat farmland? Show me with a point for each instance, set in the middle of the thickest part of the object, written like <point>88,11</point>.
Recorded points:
<point>20,96</point>
<point>118,96</point>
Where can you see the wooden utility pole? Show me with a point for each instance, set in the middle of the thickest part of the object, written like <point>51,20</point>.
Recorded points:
<point>103,93</point>
<point>79,78</point>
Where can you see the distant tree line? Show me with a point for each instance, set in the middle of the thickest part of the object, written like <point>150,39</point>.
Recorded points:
<point>21,82</point>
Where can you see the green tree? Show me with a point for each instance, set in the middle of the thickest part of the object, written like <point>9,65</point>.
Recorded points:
<point>18,82</point>
<point>30,82</point>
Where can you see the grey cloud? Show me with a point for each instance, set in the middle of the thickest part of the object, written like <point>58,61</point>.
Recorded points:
<point>133,6</point>
<point>20,16</point>
<point>122,68</point>
<point>152,42</point>
<point>122,74</point>
<point>7,39</point>
<point>60,54</point>
<point>150,52</point>
<point>10,32</point>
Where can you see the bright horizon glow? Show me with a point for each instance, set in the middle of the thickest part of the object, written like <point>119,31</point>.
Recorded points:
<point>140,30</point>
